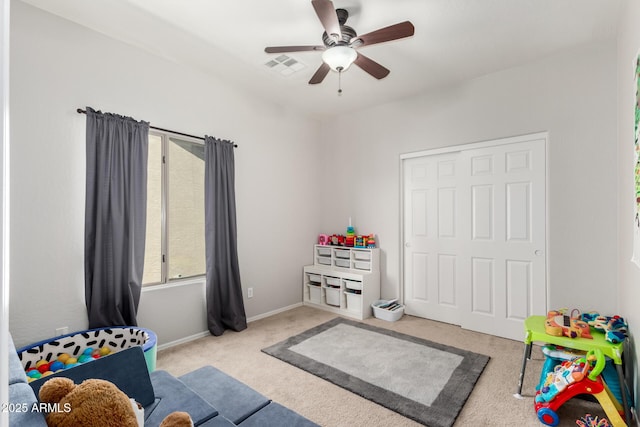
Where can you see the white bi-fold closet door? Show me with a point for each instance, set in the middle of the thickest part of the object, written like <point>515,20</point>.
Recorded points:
<point>474,234</point>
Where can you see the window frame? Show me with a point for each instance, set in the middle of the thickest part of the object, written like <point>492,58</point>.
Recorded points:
<point>165,137</point>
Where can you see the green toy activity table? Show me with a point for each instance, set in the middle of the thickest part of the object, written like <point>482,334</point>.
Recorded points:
<point>535,332</point>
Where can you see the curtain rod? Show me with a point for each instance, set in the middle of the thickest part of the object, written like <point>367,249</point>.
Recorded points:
<point>81,111</point>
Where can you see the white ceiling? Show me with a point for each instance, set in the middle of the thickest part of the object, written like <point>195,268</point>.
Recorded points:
<point>454,40</point>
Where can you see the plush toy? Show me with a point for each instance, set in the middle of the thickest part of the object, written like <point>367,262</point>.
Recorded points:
<point>177,419</point>
<point>559,324</point>
<point>614,327</point>
<point>96,403</point>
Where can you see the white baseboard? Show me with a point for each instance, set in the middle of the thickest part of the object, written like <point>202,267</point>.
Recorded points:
<point>183,340</point>
<point>207,333</point>
<point>274,312</point>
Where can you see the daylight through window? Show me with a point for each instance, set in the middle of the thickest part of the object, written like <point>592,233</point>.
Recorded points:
<point>175,209</point>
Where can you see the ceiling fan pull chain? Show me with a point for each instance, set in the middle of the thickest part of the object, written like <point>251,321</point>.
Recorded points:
<point>339,82</point>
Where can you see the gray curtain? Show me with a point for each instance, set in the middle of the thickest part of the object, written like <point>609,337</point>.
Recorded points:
<point>225,307</point>
<point>115,217</point>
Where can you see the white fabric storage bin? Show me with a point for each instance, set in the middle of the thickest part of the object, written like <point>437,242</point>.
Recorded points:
<point>324,260</point>
<point>344,263</point>
<point>324,250</point>
<point>342,253</point>
<point>362,265</point>
<point>332,281</point>
<point>353,284</point>
<point>315,294</point>
<point>354,301</point>
<point>314,278</point>
<point>332,296</point>
<point>362,255</point>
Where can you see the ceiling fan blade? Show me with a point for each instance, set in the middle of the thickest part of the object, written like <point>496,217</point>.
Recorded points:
<point>392,32</point>
<point>283,49</point>
<point>371,66</point>
<point>327,15</point>
<point>320,74</point>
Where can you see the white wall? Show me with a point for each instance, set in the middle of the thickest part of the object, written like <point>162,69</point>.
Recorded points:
<point>572,96</point>
<point>58,66</point>
<point>629,288</point>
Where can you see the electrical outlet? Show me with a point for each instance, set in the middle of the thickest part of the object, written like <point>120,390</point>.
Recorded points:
<point>250,293</point>
<point>62,331</point>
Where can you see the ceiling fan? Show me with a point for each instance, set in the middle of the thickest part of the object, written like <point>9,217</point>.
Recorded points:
<point>341,41</point>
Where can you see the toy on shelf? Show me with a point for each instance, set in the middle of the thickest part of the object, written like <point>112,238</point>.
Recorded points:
<point>571,378</point>
<point>559,324</point>
<point>351,240</point>
<point>614,327</point>
<point>351,236</point>
<point>371,241</point>
<point>336,240</point>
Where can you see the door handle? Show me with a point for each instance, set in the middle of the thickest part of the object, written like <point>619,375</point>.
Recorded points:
<point>408,244</point>
<point>538,252</point>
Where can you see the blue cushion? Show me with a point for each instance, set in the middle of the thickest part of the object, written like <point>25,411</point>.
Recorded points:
<point>173,395</point>
<point>233,399</point>
<point>276,415</point>
<point>22,399</point>
<point>217,421</point>
<point>16,371</point>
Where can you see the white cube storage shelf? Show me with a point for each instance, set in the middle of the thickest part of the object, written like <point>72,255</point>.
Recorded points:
<point>361,259</point>
<point>343,280</point>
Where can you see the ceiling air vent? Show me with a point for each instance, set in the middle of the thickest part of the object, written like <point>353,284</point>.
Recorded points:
<point>284,65</point>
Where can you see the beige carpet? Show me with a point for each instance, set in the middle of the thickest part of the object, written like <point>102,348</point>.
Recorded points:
<point>491,403</point>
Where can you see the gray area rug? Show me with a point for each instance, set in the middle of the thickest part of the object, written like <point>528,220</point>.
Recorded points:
<point>422,380</point>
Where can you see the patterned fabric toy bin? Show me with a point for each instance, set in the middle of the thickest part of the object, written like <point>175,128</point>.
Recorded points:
<point>101,340</point>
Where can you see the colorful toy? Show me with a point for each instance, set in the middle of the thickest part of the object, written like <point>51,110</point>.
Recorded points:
<point>337,240</point>
<point>43,368</point>
<point>33,374</point>
<point>563,375</point>
<point>580,376</point>
<point>556,355</point>
<point>371,241</point>
<point>351,235</point>
<point>592,421</point>
<point>559,324</point>
<point>614,327</point>
<point>84,358</point>
<point>56,365</point>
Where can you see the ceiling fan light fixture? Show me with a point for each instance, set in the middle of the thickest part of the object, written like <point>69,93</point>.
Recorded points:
<point>340,57</point>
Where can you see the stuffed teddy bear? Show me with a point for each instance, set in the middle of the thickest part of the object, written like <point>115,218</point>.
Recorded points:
<point>177,419</point>
<point>96,403</point>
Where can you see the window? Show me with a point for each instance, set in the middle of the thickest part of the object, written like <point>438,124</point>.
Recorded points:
<point>175,209</point>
